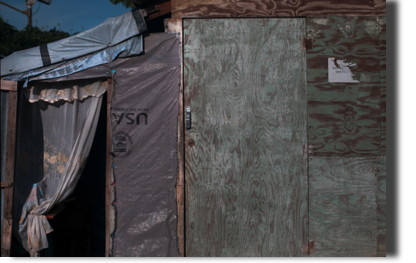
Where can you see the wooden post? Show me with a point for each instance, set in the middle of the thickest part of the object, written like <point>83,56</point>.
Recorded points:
<point>175,25</point>
<point>160,10</point>
<point>109,173</point>
<point>29,14</point>
<point>6,184</point>
<point>9,178</point>
<point>8,85</point>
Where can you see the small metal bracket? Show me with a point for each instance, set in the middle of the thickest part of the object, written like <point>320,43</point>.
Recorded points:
<point>307,149</point>
<point>310,149</point>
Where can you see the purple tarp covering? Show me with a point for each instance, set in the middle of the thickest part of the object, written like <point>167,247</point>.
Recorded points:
<point>144,111</point>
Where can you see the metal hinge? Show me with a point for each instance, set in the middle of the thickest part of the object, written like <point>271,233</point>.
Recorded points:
<point>309,247</point>
<point>310,149</point>
<point>307,149</point>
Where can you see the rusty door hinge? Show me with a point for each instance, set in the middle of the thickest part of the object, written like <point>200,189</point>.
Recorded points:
<point>311,247</point>
<point>307,43</point>
<point>6,184</point>
<point>308,247</point>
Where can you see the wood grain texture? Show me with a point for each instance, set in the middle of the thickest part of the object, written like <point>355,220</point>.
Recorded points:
<point>344,118</point>
<point>6,237</point>
<point>245,169</point>
<point>381,206</point>
<point>343,210</point>
<point>9,175</point>
<point>383,91</point>
<point>6,184</point>
<point>109,178</point>
<point>380,7</point>
<point>10,154</point>
<point>8,85</point>
<point>315,8</point>
<point>175,25</point>
<point>163,9</point>
<point>272,8</point>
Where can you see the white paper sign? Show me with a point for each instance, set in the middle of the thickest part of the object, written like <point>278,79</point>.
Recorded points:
<point>339,70</point>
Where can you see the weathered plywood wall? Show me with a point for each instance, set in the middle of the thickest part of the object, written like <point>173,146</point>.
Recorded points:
<point>344,118</point>
<point>347,198</point>
<point>245,167</point>
<point>276,8</point>
<point>381,206</point>
<point>347,206</point>
<point>383,91</point>
<point>346,121</point>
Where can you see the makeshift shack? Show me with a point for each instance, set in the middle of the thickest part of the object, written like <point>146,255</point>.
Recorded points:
<point>61,121</point>
<point>252,128</point>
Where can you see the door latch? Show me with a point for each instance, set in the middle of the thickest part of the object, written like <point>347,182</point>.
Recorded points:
<point>188,118</point>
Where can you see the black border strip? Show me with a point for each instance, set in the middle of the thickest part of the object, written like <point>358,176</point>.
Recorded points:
<point>44,53</point>
<point>141,24</point>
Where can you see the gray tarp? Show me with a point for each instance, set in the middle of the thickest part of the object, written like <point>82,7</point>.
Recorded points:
<point>144,131</point>
<point>53,143</point>
<point>111,32</point>
<point>128,48</point>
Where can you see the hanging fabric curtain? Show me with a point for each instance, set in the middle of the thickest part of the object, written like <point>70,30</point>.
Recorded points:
<point>68,118</point>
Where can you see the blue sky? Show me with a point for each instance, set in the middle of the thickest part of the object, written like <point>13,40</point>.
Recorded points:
<point>71,14</point>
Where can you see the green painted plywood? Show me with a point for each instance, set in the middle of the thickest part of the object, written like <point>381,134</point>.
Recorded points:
<point>383,106</point>
<point>381,206</point>
<point>245,168</point>
<point>347,206</point>
<point>344,118</point>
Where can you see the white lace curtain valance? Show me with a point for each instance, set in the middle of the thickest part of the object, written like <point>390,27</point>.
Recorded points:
<point>68,91</point>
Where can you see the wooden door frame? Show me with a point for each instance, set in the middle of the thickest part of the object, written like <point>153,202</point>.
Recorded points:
<point>175,26</point>
<point>7,184</point>
<point>109,177</point>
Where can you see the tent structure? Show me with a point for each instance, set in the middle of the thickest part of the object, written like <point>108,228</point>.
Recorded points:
<point>252,128</point>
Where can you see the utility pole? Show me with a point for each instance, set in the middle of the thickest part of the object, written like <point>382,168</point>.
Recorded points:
<point>28,12</point>
<point>29,5</point>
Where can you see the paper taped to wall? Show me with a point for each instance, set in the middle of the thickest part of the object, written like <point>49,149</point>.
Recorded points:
<point>339,70</point>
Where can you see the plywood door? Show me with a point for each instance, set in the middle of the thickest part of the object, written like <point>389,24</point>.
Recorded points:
<point>245,167</point>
